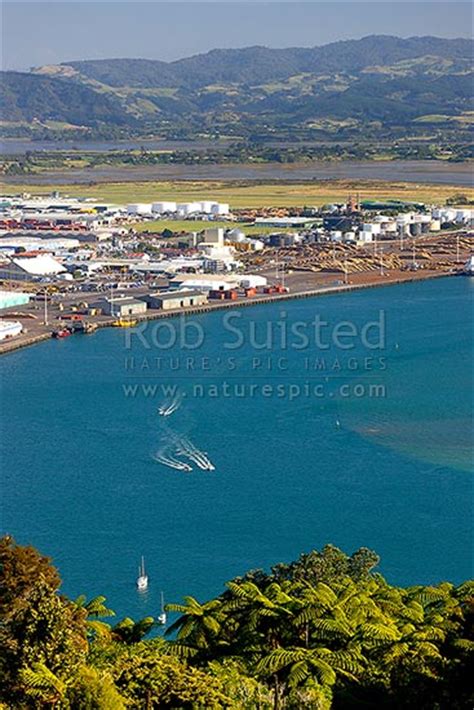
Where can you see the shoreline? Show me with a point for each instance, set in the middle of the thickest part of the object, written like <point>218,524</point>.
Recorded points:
<point>413,172</point>
<point>14,345</point>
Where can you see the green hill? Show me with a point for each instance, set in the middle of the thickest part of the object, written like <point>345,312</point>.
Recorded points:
<point>27,97</point>
<point>379,83</point>
<point>253,65</point>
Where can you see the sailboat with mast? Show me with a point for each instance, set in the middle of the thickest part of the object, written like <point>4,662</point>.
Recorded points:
<point>142,579</point>
<point>162,618</point>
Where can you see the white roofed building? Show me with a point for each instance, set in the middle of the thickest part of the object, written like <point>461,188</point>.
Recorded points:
<point>30,268</point>
<point>13,298</point>
<point>36,244</point>
<point>10,328</point>
<point>253,281</point>
<point>203,282</point>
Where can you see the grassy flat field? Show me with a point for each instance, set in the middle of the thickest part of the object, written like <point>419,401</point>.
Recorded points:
<point>246,194</point>
<point>198,226</point>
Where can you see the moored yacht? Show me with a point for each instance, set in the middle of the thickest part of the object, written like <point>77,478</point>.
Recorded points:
<point>162,616</point>
<point>142,579</point>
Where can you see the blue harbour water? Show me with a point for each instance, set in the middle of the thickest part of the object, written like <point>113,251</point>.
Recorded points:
<point>393,472</point>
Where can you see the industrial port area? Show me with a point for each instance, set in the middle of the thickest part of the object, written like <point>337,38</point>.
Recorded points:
<point>70,264</point>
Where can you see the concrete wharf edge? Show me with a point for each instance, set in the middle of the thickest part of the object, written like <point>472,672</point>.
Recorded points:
<point>13,345</point>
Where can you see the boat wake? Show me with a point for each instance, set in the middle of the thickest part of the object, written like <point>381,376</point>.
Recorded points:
<point>176,447</point>
<point>172,462</point>
<point>187,449</point>
<point>179,447</point>
<point>168,408</point>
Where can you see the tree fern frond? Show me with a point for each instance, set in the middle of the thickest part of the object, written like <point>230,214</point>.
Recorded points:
<point>175,648</point>
<point>178,608</point>
<point>323,671</point>
<point>278,659</point>
<point>185,626</point>
<point>427,649</point>
<point>463,644</point>
<point>396,652</point>
<point>100,628</point>
<point>431,633</point>
<point>377,632</point>
<point>299,673</point>
<point>330,628</point>
<point>347,661</point>
<point>40,682</point>
<point>211,624</point>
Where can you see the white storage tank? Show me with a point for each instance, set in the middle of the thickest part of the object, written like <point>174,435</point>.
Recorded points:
<point>139,208</point>
<point>236,235</point>
<point>463,215</point>
<point>449,215</point>
<point>162,207</point>
<point>186,208</point>
<point>422,219</point>
<point>371,227</point>
<point>403,223</point>
<point>349,236</point>
<point>220,208</point>
<point>207,206</point>
<point>336,236</point>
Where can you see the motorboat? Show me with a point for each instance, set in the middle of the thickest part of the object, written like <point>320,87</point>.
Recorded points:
<point>124,323</point>
<point>61,333</point>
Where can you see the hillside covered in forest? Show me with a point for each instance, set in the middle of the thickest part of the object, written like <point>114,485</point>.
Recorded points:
<point>378,85</point>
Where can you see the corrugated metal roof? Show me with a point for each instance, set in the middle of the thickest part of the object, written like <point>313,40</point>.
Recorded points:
<point>176,295</point>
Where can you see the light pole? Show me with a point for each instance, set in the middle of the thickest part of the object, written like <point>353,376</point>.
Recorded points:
<point>46,307</point>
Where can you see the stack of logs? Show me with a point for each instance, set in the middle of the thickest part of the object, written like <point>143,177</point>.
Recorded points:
<point>345,258</point>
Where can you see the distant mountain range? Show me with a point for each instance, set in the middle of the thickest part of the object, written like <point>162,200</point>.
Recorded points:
<point>378,83</point>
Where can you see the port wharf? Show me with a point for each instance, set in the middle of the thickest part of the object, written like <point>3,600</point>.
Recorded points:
<point>15,344</point>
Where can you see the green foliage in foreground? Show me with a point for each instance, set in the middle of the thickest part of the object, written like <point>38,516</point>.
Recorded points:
<point>323,632</point>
